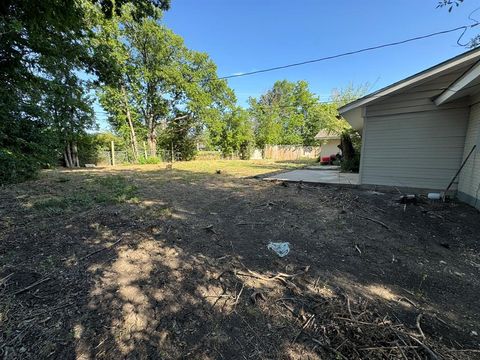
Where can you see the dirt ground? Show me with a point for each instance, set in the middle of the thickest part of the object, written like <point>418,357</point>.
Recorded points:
<point>148,263</point>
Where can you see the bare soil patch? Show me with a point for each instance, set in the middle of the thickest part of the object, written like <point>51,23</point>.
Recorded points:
<point>150,263</point>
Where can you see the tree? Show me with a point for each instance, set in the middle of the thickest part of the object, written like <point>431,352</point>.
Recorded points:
<point>180,137</point>
<point>232,133</point>
<point>70,112</point>
<point>37,37</point>
<point>328,113</point>
<point>163,81</point>
<point>287,114</point>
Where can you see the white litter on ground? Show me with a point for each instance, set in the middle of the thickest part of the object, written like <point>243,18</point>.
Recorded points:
<point>281,248</point>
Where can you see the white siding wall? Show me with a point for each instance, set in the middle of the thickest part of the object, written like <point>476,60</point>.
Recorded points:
<point>410,142</point>
<point>420,150</point>
<point>469,185</point>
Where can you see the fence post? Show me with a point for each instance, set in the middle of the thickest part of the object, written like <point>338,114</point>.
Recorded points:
<point>112,150</point>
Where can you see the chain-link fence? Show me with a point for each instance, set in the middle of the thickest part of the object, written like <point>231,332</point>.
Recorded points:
<point>119,157</point>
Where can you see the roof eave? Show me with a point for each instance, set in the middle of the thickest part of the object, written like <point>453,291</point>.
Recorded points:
<point>411,80</point>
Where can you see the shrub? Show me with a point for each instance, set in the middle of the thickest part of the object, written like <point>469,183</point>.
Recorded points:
<point>351,165</point>
<point>149,160</point>
<point>16,167</point>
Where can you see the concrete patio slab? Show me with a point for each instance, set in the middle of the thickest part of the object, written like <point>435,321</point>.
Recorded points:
<point>323,167</point>
<point>316,176</point>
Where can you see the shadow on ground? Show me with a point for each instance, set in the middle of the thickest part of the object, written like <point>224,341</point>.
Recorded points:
<point>173,264</point>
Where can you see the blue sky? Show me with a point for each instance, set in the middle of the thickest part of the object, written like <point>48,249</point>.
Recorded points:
<point>248,35</point>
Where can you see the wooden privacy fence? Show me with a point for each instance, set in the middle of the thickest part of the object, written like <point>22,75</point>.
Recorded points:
<point>291,152</point>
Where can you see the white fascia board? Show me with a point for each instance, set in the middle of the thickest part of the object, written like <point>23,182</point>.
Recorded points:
<point>459,84</point>
<point>412,80</point>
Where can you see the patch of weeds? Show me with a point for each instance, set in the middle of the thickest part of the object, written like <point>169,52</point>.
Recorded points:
<point>149,160</point>
<point>53,204</point>
<point>420,292</point>
<point>159,212</point>
<point>48,263</point>
<point>80,199</point>
<point>115,189</point>
<point>104,190</point>
<point>166,211</point>
<point>62,180</point>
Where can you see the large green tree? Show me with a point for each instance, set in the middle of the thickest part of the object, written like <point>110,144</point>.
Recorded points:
<point>287,114</point>
<point>38,37</point>
<point>232,133</point>
<point>161,81</point>
<point>290,114</point>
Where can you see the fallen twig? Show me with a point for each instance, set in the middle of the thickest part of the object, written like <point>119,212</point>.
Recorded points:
<point>100,250</point>
<point>31,286</point>
<point>257,294</point>
<point>5,279</point>
<point>349,308</point>
<point>358,249</point>
<point>403,298</point>
<point>359,322</point>
<point>375,221</point>
<point>326,347</point>
<point>49,311</point>
<point>250,223</point>
<point>417,324</point>
<point>430,352</point>
<point>304,326</point>
<point>211,229</point>
<point>389,347</point>
<point>237,299</point>
<point>278,276</point>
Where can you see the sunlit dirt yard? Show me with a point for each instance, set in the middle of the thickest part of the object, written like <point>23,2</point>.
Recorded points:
<point>149,263</point>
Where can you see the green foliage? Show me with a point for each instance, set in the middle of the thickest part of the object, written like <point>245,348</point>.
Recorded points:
<point>158,80</point>
<point>114,189</point>
<point>180,136</point>
<point>103,140</point>
<point>232,133</point>
<point>102,190</point>
<point>351,143</point>
<point>151,160</point>
<point>208,155</point>
<point>44,46</point>
<point>290,114</point>
<point>25,147</point>
<point>351,165</point>
<point>16,167</point>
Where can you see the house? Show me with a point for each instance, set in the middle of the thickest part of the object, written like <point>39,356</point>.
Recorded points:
<point>330,142</point>
<point>417,132</point>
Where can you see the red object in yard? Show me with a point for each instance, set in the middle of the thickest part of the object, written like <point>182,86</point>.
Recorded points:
<point>325,160</point>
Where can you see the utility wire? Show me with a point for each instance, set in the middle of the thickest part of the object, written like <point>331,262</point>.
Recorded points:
<point>268,106</point>
<point>464,28</point>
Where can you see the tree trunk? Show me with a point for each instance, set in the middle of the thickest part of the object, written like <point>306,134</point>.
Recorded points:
<point>68,164</point>
<point>76,161</point>
<point>152,137</point>
<point>348,151</point>
<point>133,136</point>
<point>152,144</point>
<point>70,155</point>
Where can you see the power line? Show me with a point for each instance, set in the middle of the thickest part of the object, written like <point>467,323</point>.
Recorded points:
<point>281,106</point>
<point>464,28</point>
